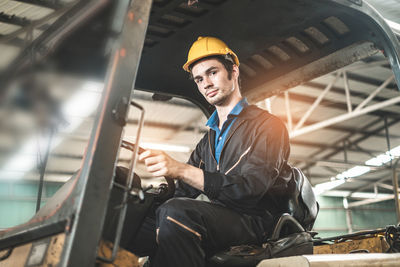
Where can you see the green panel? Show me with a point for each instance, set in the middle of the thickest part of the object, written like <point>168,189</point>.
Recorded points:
<point>4,189</point>
<point>19,206</point>
<point>25,190</point>
<point>366,219</point>
<point>14,212</point>
<point>331,218</point>
<point>325,234</point>
<point>329,202</point>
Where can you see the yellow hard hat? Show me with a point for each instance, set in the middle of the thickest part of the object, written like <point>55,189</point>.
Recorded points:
<point>205,47</point>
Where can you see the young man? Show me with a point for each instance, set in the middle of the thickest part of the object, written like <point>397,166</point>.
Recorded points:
<point>236,164</point>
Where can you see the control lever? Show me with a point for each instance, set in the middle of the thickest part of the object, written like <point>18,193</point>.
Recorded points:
<point>140,192</point>
<point>128,187</point>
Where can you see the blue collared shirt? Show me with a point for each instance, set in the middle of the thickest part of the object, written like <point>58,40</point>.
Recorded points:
<point>221,135</point>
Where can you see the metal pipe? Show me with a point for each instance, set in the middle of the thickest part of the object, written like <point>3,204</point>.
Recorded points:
<point>373,94</point>
<point>369,201</point>
<point>344,117</point>
<point>334,162</point>
<point>349,219</point>
<point>386,186</point>
<point>347,91</point>
<point>36,23</point>
<point>345,151</point>
<point>368,185</point>
<point>396,190</point>
<point>394,173</point>
<point>316,102</point>
<point>43,170</point>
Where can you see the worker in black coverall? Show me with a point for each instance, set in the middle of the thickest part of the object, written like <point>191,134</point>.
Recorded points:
<point>235,165</point>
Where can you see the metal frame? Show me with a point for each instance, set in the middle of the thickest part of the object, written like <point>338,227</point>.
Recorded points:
<point>36,23</point>
<point>82,201</point>
<point>361,109</point>
<point>101,156</point>
<point>73,16</point>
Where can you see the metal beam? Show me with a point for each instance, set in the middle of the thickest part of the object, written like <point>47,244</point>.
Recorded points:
<point>374,93</point>
<point>315,103</point>
<point>395,182</point>
<point>370,201</point>
<point>102,150</point>
<point>335,163</point>
<point>369,185</point>
<point>339,90</point>
<point>56,4</point>
<point>331,146</point>
<point>368,80</point>
<point>344,117</point>
<point>358,140</point>
<point>15,42</point>
<point>14,20</point>
<point>338,105</point>
<point>345,129</point>
<point>36,23</point>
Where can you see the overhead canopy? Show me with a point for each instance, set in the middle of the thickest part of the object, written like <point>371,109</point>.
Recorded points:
<point>280,43</point>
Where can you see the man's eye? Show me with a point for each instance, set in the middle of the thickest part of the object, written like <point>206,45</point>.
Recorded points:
<point>198,80</point>
<point>213,72</point>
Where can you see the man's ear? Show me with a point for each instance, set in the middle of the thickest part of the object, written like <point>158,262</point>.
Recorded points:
<point>235,71</point>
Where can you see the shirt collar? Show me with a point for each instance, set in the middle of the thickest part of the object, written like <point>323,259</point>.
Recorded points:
<point>213,121</point>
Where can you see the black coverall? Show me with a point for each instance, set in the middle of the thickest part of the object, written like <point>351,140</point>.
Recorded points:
<point>242,190</point>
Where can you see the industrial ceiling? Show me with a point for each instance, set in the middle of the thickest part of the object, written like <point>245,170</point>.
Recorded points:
<point>344,131</point>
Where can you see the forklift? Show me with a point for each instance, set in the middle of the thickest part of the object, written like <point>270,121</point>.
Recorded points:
<point>140,45</point>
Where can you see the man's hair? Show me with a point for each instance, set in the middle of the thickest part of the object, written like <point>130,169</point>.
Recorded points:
<point>226,60</point>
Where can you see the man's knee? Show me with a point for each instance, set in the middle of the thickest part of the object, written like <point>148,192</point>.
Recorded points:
<point>177,216</point>
<point>177,207</point>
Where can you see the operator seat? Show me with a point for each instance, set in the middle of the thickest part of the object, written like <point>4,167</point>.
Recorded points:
<point>290,236</point>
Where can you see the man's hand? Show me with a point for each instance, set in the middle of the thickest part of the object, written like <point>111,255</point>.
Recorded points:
<point>159,163</point>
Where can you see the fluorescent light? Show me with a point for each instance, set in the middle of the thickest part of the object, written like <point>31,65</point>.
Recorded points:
<point>353,172</point>
<point>379,160</point>
<point>165,147</point>
<point>358,170</point>
<point>82,104</point>
<point>321,188</point>
<point>395,152</point>
<point>345,193</point>
<point>384,158</point>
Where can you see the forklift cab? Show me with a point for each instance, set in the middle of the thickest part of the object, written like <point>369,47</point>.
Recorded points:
<point>142,45</point>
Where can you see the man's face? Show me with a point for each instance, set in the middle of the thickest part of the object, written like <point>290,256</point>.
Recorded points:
<point>212,81</point>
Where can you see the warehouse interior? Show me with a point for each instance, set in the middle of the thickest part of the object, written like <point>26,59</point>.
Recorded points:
<point>344,126</point>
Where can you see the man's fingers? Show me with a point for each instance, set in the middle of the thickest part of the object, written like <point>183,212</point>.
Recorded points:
<point>144,154</point>
<point>156,167</point>
<point>148,153</point>
<point>157,162</point>
<point>153,160</point>
<point>160,173</point>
